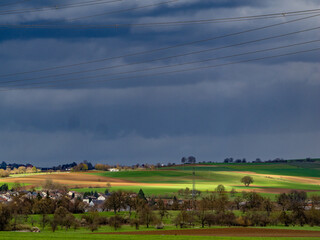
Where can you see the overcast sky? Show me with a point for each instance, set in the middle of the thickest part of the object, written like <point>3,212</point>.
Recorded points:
<point>266,109</point>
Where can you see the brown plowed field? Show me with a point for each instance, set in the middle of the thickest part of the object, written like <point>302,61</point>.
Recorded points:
<point>75,179</point>
<point>228,232</point>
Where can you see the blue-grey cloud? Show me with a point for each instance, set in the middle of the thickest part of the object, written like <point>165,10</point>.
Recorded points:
<point>261,109</point>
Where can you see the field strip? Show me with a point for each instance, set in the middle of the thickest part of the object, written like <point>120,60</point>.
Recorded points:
<point>308,180</point>
<point>78,179</point>
<point>227,232</point>
<point>272,190</point>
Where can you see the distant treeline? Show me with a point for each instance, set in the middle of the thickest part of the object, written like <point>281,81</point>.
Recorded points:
<point>4,165</point>
<point>276,160</point>
<point>86,165</point>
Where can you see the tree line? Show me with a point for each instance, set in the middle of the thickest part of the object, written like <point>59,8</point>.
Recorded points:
<point>217,208</point>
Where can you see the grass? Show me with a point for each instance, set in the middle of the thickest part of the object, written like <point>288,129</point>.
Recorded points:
<point>148,190</point>
<point>167,181</point>
<point>205,180</point>
<point>149,176</point>
<point>81,236</point>
<point>10,185</point>
<point>86,234</point>
<point>299,169</point>
<point>27,174</point>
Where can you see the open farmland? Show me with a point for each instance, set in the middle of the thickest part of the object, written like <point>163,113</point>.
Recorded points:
<point>170,180</point>
<point>167,182</point>
<point>72,180</point>
<point>291,168</point>
<point>208,177</point>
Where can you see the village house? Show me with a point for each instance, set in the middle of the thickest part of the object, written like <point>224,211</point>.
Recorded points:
<point>113,169</point>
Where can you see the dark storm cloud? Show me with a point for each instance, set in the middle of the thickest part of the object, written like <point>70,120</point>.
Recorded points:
<point>261,109</point>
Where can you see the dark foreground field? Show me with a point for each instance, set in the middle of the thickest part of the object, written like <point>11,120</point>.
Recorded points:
<point>228,232</point>
<point>173,234</point>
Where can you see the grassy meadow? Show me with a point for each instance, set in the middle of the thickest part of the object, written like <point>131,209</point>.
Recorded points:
<point>269,178</point>
<point>85,235</point>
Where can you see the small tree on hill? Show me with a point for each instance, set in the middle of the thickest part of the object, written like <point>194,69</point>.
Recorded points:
<point>220,189</point>
<point>247,180</point>
<point>184,160</point>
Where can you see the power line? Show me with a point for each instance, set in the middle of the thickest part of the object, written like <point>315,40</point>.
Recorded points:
<point>128,25</point>
<point>170,23</point>
<point>57,7</point>
<point>120,11</point>
<point>177,71</point>
<point>89,16</point>
<point>163,58</point>
<point>13,3</point>
<point>160,49</point>
<point>174,65</point>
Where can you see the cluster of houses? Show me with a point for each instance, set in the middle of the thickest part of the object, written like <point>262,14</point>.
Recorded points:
<point>90,200</point>
<point>5,197</point>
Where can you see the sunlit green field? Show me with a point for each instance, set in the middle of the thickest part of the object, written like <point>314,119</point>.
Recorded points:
<point>169,181</point>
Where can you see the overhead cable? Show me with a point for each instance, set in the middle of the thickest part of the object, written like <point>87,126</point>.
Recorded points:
<point>169,65</point>
<point>57,7</point>
<point>175,71</point>
<point>163,24</point>
<point>162,58</point>
<point>160,49</point>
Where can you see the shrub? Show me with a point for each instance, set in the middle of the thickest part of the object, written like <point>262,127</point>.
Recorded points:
<point>260,219</point>
<point>4,173</point>
<point>313,217</point>
<point>5,217</point>
<point>116,222</point>
<point>285,218</point>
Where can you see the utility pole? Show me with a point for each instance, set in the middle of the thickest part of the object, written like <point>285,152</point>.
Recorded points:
<point>192,161</point>
<point>193,185</point>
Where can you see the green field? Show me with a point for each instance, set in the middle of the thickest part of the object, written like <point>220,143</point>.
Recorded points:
<point>148,190</point>
<point>167,181</point>
<point>86,234</point>
<point>207,179</point>
<point>209,176</point>
<point>77,235</point>
<point>300,169</point>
